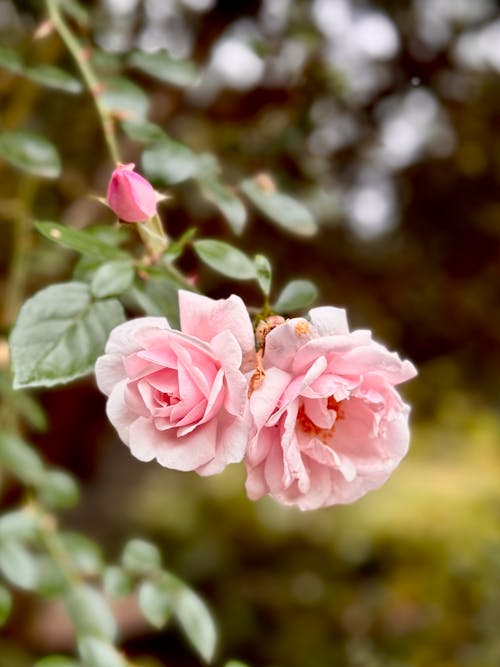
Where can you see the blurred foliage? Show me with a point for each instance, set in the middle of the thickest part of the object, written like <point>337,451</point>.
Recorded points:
<point>383,118</point>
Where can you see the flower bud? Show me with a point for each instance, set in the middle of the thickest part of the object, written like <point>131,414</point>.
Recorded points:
<point>130,195</point>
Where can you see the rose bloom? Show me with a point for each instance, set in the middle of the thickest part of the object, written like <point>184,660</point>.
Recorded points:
<point>130,195</point>
<point>329,425</point>
<point>180,397</point>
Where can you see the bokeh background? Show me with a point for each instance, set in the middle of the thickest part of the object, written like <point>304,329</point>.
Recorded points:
<point>384,118</point>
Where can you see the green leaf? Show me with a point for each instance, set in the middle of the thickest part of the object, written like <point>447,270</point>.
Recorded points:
<point>85,553</point>
<point>50,580</point>
<point>75,11</point>
<point>116,582</point>
<point>280,209</point>
<point>9,59</point>
<point>140,557</point>
<point>18,565</point>
<point>20,525</point>
<point>229,204</point>
<point>176,247</point>
<point>5,605</point>
<point>112,278</point>
<point>225,259</point>
<point>169,162</point>
<point>20,459</point>
<point>57,661</point>
<point>232,663</point>
<point>59,334</point>
<point>31,153</point>
<point>90,612</point>
<point>264,273</point>
<point>157,297</point>
<point>31,410</point>
<point>143,131</point>
<point>84,241</point>
<point>58,490</point>
<point>98,653</point>
<point>54,77</point>
<point>124,98</point>
<point>296,295</point>
<point>161,66</point>
<point>197,623</point>
<point>155,602</point>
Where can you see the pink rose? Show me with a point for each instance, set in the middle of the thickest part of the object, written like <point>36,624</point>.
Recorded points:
<point>131,196</point>
<point>180,397</point>
<point>329,425</point>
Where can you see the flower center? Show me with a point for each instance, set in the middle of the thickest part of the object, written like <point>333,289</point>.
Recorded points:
<point>311,429</point>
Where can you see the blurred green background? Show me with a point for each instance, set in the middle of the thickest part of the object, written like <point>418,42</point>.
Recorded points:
<point>384,118</point>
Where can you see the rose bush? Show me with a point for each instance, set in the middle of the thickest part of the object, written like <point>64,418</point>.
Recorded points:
<point>180,397</point>
<point>328,424</point>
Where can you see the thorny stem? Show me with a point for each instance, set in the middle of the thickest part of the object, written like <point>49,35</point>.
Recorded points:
<point>151,232</point>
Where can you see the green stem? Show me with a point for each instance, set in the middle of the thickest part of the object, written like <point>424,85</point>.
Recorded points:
<point>151,232</point>
<point>21,242</point>
<point>88,75</point>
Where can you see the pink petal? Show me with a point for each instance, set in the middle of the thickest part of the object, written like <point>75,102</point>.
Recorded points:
<point>205,318</point>
<point>328,321</point>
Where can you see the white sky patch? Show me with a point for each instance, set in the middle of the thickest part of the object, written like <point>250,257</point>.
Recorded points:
<point>411,125</point>
<point>371,205</point>
<point>237,65</point>
<point>375,36</point>
<point>199,5</point>
<point>479,49</point>
<point>121,7</point>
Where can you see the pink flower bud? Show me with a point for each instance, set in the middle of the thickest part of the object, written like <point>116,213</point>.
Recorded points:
<point>131,196</point>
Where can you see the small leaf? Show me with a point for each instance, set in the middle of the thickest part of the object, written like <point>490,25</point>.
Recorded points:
<point>112,278</point>
<point>31,153</point>
<point>9,59</point>
<point>81,240</point>
<point>18,565</point>
<point>85,553</point>
<point>20,525</point>
<point>197,622</point>
<point>124,98</point>
<point>296,295</point>
<point>280,209</point>
<point>143,131</point>
<point>75,11</point>
<point>50,580</point>
<point>225,259</point>
<point>116,582</point>
<point>5,605</point>
<point>98,653</point>
<point>176,247</point>
<point>155,602</point>
<point>20,459</point>
<point>169,162</point>
<point>59,333</point>
<point>140,557</point>
<point>54,77</point>
<point>58,490</point>
<point>57,661</point>
<point>161,66</point>
<point>157,297</point>
<point>29,408</point>
<point>229,204</point>
<point>90,613</point>
<point>264,273</point>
